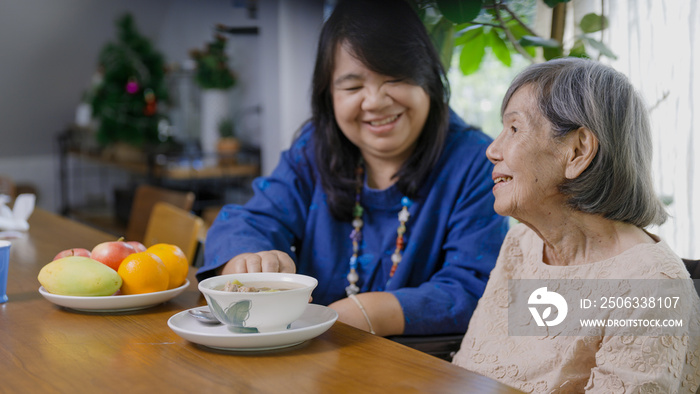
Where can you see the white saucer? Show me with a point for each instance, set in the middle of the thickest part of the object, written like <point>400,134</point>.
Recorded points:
<point>117,303</point>
<point>316,320</point>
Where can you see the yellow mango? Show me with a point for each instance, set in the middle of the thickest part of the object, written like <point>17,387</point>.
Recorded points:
<point>79,276</point>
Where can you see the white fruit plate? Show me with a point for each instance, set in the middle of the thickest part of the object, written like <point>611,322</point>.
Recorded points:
<point>117,303</point>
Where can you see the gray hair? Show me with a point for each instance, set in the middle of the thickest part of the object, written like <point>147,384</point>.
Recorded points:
<point>573,93</point>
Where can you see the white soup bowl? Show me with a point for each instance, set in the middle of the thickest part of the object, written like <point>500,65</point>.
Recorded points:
<point>250,312</point>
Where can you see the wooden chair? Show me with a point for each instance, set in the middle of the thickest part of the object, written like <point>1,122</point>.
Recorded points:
<point>172,225</point>
<point>693,267</point>
<point>443,346</point>
<point>7,186</point>
<point>145,198</point>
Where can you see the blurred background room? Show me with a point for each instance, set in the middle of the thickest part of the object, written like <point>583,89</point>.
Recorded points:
<point>73,71</point>
<point>51,66</point>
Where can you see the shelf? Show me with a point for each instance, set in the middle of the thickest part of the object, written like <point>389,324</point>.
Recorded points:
<point>85,169</point>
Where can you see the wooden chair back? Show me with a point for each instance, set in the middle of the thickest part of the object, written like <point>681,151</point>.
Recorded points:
<point>693,267</point>
<point>145,198</point>
<point>172,225</point>
<point>7,186</point>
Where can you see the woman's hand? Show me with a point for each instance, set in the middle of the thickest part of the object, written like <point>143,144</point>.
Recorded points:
<point>267,261</point>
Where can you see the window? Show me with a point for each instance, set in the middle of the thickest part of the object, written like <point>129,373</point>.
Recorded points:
<point>657,44</point>
<point>658,47</point>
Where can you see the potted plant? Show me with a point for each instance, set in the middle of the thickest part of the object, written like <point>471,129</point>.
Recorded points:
<point>228,145</point>
<point>215,78</point>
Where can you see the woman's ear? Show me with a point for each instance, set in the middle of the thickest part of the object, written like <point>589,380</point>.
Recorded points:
<point>582,146</point>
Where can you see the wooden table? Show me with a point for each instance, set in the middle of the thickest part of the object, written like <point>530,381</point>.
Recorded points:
<point>45,348</point>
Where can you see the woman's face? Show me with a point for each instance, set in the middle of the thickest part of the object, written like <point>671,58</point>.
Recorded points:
<point>381,115</point>
<point>529,163</point>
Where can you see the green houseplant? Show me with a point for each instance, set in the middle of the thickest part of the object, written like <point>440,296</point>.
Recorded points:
<point>475,26</point>
<point>213,70</point>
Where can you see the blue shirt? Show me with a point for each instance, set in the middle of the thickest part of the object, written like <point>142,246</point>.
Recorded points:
<point>452,240</point>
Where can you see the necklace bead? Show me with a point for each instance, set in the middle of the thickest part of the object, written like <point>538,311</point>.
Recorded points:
<point>356,234</point>
<point>357,223</point>
<point>352,276</point>
<point>404,215</point>
<point>357,211</point>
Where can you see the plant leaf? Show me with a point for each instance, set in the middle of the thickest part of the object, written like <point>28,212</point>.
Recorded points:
<point>578,50</point>
<point>442,35</point>
<point>460,11</point>
<point>517,29</point>
<point>530,51</point>
<point>602,48</point>
<point>463,26</point>
<point>591,23</point>
<point>539,42</point>
<point>471,55</point>
<point>552,53</point>
<point>553,3</point>
<point>499,47</point>
<point>469,34</point>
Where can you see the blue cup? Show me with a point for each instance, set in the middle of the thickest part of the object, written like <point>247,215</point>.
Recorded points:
<point>4,267</point>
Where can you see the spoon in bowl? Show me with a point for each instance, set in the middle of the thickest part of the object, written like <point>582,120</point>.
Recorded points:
<point>204,316</point>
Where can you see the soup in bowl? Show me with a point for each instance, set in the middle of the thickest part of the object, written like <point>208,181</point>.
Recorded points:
<point>258,302</point>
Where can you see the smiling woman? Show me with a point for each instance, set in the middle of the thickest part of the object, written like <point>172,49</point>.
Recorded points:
<point>382,116</point>
<point>384,196</point>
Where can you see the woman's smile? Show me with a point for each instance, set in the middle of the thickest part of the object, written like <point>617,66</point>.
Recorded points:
<point>500,180</point>
<point>383,125</point>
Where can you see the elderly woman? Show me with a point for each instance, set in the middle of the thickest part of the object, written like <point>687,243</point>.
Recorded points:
<point>572,164</point>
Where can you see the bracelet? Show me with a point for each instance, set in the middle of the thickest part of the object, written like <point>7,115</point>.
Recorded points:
<point>362,309</point>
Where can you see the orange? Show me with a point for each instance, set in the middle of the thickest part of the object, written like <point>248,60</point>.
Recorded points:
<point>143,272</point>
<point>175,261</point>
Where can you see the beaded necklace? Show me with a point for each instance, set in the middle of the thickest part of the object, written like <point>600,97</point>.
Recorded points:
<point>356,234</point>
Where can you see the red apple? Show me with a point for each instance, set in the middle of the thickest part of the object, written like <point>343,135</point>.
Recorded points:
<point>112,253</point>
<point>72,252</point>
<point>138,246</point>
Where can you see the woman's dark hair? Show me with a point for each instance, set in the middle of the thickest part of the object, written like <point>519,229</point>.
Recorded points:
<point>573,93</point>
<point>389,38</point>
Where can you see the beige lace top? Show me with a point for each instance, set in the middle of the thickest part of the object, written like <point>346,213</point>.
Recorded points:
<point>574,364</point>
